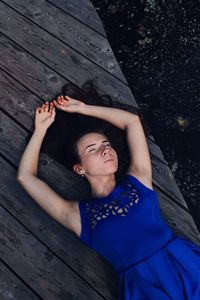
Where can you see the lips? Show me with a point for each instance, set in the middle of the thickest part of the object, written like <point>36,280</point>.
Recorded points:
<point>109,160</point>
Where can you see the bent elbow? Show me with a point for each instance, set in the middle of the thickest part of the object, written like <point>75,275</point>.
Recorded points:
<point>19,178</point>
<point>22,177</point>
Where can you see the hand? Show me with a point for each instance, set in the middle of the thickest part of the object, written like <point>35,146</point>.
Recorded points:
<point>69,104</point>
<point>44,116</point>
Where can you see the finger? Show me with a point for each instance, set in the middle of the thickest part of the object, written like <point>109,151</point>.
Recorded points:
<point>53,112</point>
<point>51,106</point>
<point>57,98</point>
<point>63,99</point>
<point>46,107</point>
<point>42,108</point>
<point>60,100</point>
<point>67,97</point>
<point>56,104</point>
<point>38,110</point>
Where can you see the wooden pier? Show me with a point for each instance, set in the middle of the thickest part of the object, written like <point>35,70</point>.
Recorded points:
<point>45,44</point>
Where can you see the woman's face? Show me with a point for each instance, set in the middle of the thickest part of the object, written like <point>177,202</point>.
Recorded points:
<point>97,155</point>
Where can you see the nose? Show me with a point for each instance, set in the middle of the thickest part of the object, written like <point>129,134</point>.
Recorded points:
<point>105,150</point>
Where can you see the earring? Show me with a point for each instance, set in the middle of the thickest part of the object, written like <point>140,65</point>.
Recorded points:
<point>82,175</point>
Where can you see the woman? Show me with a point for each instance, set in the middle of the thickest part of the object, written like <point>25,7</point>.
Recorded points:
<point>121,221</point>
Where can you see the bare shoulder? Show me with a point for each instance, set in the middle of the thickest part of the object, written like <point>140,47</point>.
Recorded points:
<point>143,178</point>
<point>73,218</point>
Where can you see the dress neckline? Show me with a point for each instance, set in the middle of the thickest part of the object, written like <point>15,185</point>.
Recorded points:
<point>112,193</point>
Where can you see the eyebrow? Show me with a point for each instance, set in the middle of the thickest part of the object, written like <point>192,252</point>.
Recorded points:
<point>94,144</point>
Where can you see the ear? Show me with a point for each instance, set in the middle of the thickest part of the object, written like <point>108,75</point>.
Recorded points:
<point>78,169</point>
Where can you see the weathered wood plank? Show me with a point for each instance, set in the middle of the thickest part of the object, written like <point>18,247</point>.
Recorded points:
<point>163,178</point>
<point>21,104</point>
<point>18,101</point>
<point>82,10</point>
<point>28,70</point>
<point>56,237</point>
<point>61,240</point>
<point>11,287</point>
<point>11,145</point>
<point>42,79</point>
<point>163,170</point>
<point>70,31</point>
<point>162,175</point>
<point>64,60</point>
<point>178,219</point>
<point>39,267</point>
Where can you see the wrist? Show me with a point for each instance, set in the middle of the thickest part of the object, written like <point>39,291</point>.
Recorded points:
<point>40,131</point>
<point>86,109</point>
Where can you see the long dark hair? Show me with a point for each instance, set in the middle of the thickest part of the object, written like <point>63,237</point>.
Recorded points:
<point>62,136</point>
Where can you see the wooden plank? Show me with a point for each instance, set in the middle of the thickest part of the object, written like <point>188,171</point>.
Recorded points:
<point>70,31</point>
<point>10,146</point>
<point>24,67</point>
<point>178,219</point>
<point>58,238</point>
<point>82,10</point>
<point>22,106</point>
<point>18,101</point>
<point>61,58</point>
<point>170,189</point>
<point>162,175</point>
<point>39,267</point>
<point>42,79</point>
<point>163,178</point>
<point>12,287</point>
<point>49,164</point>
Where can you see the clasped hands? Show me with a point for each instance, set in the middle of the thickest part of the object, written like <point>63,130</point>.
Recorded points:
<point>45,114</point>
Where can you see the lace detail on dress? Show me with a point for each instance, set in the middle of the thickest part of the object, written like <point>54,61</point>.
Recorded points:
<point>119,206</point>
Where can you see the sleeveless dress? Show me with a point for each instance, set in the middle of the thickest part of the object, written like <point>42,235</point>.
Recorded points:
<point>128,230</point>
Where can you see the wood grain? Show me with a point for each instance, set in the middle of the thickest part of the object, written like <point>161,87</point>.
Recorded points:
<point>67,29</point>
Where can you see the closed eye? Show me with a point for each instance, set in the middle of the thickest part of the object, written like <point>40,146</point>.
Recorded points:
<point>105,145</point>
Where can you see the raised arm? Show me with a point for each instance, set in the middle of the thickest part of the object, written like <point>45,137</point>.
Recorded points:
<point>140,163</point>
<point>51,202</point>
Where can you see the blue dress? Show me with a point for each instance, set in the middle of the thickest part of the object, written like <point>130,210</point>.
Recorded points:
<point>128,230</point>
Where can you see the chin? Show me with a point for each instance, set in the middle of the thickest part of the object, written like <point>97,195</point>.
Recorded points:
<point>113,168</point>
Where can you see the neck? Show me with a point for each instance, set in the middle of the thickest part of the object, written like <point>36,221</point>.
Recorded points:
<point>102,186</point>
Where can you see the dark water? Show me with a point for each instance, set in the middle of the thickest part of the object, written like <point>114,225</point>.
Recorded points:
<point>157,44</point>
